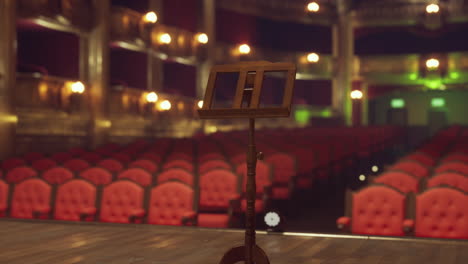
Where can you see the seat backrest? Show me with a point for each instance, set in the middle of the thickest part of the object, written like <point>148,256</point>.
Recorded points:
<point>422,158</point>
<point>138,175</point>
<point>453,179</point>
<point>77,151</point>
<point>213,164</point>
<point>43,164</point>
<point>378,210</point>
<point>452,166</point>
<point>122,157</point>
<point>217,188</point>
<point>96,175</point>
<point>169,202</point>
<point>32,156</point>
<point>111,165</point>
<point>442,212</point>
<point>28,196</point>
<point>4,191</point>
<point>283,165</point>
<point>204,157</point>
<point>73,198</point>
<point>11,163</point>
<point>145,164</point>
<point>263,175</point>
<point>119,199</point>
<point>413,167</point>
<point>179,163</point>
<point>151,156</point>
<point>455,157</point>
<point>400,180</point>
<point>91,157</point>
<point>18,174</point>
<point>76,165</point>
<point>61,157</point>
<point>57,175</point>
<point>176,174</point>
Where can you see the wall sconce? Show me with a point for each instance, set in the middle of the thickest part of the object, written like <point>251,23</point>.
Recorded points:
<point>434,65</point>
<point>164,105</point>
<point>151,98</point>
<point>200,104</point>
<point>75,91</point>
<point>313,57</point>
<point>244,49</point>
<point>202,38</point>
<point>356,95</point>
<point>77,87</point>
<point>150,18</point>
<point>165,38</point>
<point>433,16</point>
<point>313,7</point>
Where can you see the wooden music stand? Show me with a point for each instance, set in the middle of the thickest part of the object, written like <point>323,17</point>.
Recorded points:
<point>249,87</point>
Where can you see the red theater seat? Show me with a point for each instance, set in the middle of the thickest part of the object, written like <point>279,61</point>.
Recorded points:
<point>456,180</point>
<point>413,167</point>
<point>111,165</point>
<point>138,175</point>
<point>61,157</point>
<point>461,157</point>
<point>179,163</point>
<point>91,157</point>
<point>204,157</point>
<point>176,174</point>
<point>19,174</point>
<point>122,202</point>
<point>76,165</point>
<point>151,156</point>
<point>442,213</point>
<point>284,170</point>
<point>122,157</point>
<point>399,180</point>
<point>214,164</point>
<point>32,156</point>
<point>455,166</point>
<point>43,164</point>
<point>375,210</point>
<point>144,164</point>
<point>75,201</point>
<point>31,199</point>
<point>171,203</point>
<point>77,151</point>
<point>421,157</point>
<point>98,176</point>
<point>11,163</point>
<point>4,191</point>
<point>57,175</point>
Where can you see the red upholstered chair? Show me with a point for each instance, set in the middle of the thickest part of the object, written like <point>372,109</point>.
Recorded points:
<point>421,157</point>
<point>61,157</point>
<point>213,164</point>
<point>76,152</point>
<point>11,163</point>
<point>374,210</point>
<point>218,188</point>
<point>19,174</point>
<point>263,179</point>
<point>75,201</point>
<point>145,164</point>
<point>462,157</point>
<point>284,171</point>
<point>91,157</point>
<point>180,156</point>
<point>399,180</point>
<point>138,175</point>
<point>122,202</point>
<point>415,168</point>
<point>4,195</point>
<point>96,175</point>
<point>210,156</point>
<point>440,212</point>
<point>456,166</point>
<point>43,164</point>
<point>32,156</point>
<point>180,163</point>
<point>453,179</point>
<point>151,156</point>
<point>176,174</point>
<point>31,199</point>
<point>122,157</point>
<point>76,165</point>
<point>111,165</point>
<point>171,203</point>
<point>57,175</point>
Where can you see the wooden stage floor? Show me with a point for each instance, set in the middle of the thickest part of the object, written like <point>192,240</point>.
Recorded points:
<point>52,242</point>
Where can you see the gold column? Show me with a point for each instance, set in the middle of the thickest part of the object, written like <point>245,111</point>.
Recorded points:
<point>207,22</point>
<point>95,68</point>
<point>155,64</point>
<point>343,52</point>
<point>8,118</point>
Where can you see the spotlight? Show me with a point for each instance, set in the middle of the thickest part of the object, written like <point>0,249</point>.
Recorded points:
<point>375,168</point>
<point>150,17</point>
<point>432,63</point>
<point>313,7</point>
<point>77,87</point>
<point>200,104</point>
<point>432,8</point>
<point>362,177</point>
<point>356,94</point>
<point>151,97</point>
<point>202,38</point>
<point>313,57</point>
<point>165,38</point>
<point>244,49</point>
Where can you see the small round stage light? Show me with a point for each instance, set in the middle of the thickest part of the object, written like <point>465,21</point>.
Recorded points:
<point>200,104</point>
<point>432,63</point>
<point>165,105</point>
<point>313,57</point>
<point>432,8</point>
<point>362,177</point>
<point>150,17</point>
<point>375,168</point>
<point>151,97</point>
<point>244,49</point>
<point>165,38</point>
<point>313,7</point>
<point>77,87</point>
<point>356,94</point>
<point>274,221</point>
<point>202,38</point>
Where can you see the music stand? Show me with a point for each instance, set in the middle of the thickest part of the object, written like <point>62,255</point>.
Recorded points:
<point>248,90</point>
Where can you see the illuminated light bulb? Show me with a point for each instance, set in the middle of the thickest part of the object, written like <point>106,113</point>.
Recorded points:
<point>165,105</point>
<point>356,94</point>
<point>202,38</point>
<point>362,177</point>
<point>244,49</point>
<point>432,8</point>
<point>200,104</point>
<point>432,63</point>
<point>152,97</point>
<point>313,7</point>
<point>375,168</point>
<point>150,17</point>
<point>165,38</point>
<point>77,87</point>
<point>313,57</point>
